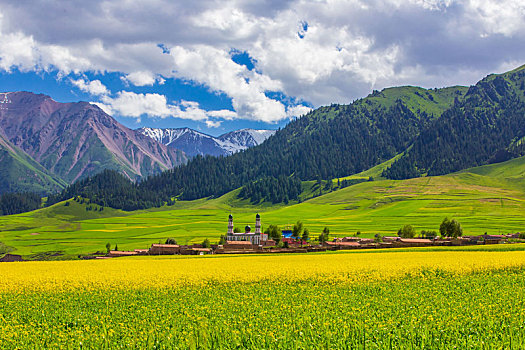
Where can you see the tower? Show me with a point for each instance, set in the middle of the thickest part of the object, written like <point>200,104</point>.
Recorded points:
<point>257,224</point>
<point>230,225</point>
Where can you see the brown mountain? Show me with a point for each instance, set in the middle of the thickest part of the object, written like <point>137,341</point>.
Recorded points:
<point>20,173</point>
<point>75,140</point>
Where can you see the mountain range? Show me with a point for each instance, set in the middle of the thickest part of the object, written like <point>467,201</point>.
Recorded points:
<point>194,143</point>
<point>406,131</point>
<point>59,143</point>
<point>409,131</point>
<point>46,145</point>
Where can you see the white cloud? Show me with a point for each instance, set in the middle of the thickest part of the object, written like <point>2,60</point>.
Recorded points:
<point>130,104</point>
<point>94,87</point>
<point>498,17</point>
<point>16,50</point>
<point>142,78</point>
<point>135,105</point>
<point>213,123</point>
<point>317,51</point>
<point>297,111</point>
<point>216,69</point>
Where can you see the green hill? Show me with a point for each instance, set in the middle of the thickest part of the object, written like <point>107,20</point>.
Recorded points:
<point>486,126</point>
<point>332,141</point>
<point>20,173</point>
<point>484,199</point>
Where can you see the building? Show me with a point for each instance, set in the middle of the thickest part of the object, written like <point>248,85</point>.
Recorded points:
<point>164,249</point>
<point>254,237</point>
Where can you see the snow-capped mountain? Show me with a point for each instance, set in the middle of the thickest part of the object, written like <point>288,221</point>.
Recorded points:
<point>246,137</point>
<point>194,143</point>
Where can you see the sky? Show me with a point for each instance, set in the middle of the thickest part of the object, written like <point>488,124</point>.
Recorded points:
<point>217,66</point>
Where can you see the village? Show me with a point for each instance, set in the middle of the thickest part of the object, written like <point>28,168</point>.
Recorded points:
<point>256,242</point>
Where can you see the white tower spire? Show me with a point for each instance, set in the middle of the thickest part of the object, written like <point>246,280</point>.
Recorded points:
<point>230,225</point>
<point>257,224</point>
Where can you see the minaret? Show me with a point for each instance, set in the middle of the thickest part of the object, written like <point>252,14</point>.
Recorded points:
<point>257,224</point>
<point>230,225</point>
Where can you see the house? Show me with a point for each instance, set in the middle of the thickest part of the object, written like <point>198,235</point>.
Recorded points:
<point>196,251</point>
<point>350,239</point>
<point>294,242</point>
<point>11,258</point>
<point>343,245</point>
<point>494,239</point>
<point>238,245</point>
<point>417,242</point>
<point>164,249</point>
<point>119,253</point>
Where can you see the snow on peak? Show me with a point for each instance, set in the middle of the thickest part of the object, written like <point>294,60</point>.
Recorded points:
<point>193,142</point>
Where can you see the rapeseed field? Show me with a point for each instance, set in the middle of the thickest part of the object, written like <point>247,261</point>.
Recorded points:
<point>375,300</point>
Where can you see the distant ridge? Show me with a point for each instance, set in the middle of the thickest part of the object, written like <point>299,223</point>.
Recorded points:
<point>193,142</point>
<point>75,140</point>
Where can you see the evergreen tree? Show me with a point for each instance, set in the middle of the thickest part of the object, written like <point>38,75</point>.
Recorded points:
<point>306,234</point>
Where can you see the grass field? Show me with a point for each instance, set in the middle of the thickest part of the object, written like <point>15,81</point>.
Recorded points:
<point>484,199</point>
<point>415,299</point>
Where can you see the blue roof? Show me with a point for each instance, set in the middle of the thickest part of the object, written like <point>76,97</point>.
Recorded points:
<point>287,233</point>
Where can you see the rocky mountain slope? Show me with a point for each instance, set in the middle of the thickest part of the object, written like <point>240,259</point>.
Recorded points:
<point>20,173</point>
<point>75,140</point>
<point>193,142</point>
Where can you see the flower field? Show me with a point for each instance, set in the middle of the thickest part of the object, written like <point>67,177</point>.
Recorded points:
<point>382,299</point>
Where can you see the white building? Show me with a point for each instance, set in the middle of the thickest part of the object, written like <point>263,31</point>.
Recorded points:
<point>256,237</point>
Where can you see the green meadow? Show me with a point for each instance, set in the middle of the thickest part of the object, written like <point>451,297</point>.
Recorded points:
<point>484,199</point>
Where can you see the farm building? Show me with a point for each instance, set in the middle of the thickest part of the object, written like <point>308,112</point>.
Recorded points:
<point>238,245</point>
<point>119,253</point>
<point>164,249</point>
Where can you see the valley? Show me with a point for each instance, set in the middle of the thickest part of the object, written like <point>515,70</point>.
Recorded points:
<point>488,199</point>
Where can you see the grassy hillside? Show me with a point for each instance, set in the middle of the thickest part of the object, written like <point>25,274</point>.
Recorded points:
<point>485,199</point>
<point>20,173</point>
<point>485,126</point>
<point>432,101</point>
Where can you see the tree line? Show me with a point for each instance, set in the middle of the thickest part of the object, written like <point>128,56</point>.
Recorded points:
<point>15,203</point>
<point>487,126</point>
<point>447,228</point>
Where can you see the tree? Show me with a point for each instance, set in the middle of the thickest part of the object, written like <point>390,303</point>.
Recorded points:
<point>171,241</point>
<point>206,243</point>
<point>237,230</point>
<point>222,240</point>
<point>108,247</point>
<point>306,235</point>
<point>274,232</point>
<point>297,229</point>
<point>324,236</point>
<point>116,246</point>
<point>428,234</point>
<point>406,231</point>
<point>450,228</point>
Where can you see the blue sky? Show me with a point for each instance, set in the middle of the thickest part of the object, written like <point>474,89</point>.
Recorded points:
<point>219,66</point>
<point>61,89</point>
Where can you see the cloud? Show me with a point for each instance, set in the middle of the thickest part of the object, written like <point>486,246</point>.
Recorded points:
<point>213,124</point>
<point>216,69</point>
<point>131,104</point>
<point>94,87</point>
<point>136,105</point>
<point>315,51</point>
<point>142,78</point>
